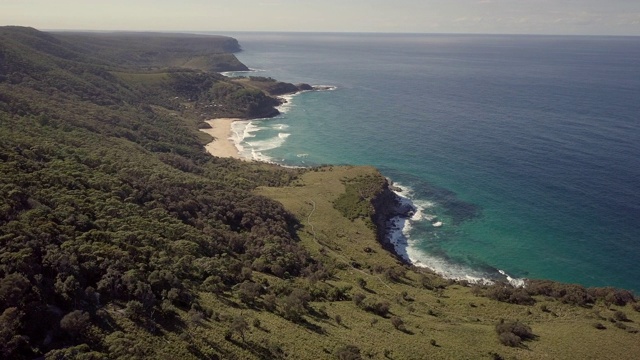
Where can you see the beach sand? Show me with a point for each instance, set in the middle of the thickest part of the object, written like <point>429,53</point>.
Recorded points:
<point>222,145</point>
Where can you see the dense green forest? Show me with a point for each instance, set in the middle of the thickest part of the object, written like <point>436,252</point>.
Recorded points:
<point>120,238</point>
<point>106,196</point>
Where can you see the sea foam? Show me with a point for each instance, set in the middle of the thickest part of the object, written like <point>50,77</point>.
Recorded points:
<point>399,230</point>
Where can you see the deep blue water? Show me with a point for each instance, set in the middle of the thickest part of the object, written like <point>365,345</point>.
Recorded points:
<point>526,148</point>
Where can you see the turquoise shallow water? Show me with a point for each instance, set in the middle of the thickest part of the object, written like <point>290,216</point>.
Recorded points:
<point>526,148</point>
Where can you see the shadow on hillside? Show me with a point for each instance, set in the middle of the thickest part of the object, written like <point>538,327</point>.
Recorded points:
<point>259,350</point>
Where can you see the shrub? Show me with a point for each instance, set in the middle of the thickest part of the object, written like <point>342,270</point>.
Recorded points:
<point>379,308</point>
<point>620,316</point>
<point>362,283</point>
<point>397,323</point>
<point>620,325</point>
<point>510,339</point>
<point>358,298</point>
<point>513,333</point>
<point>348,352</point>
<point>269,302</point>
<point>599,326</point>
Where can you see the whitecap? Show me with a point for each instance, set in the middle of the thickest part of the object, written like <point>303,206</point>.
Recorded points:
<point>517,282</point>
<point>240,73</point>
<point>287,103</point>
<point>399,235</point>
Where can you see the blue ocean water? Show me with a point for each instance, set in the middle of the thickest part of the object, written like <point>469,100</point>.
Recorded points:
<point>525,148</point>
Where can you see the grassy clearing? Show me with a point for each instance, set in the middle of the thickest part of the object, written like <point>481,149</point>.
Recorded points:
<point>151,78</point>
<point>462,325</point>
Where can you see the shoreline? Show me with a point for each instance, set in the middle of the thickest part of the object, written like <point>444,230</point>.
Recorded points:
<point>222,144</point>
<point>396,218</point>
<point>221,128</point>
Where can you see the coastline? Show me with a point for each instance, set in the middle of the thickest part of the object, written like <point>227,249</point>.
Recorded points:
<point>221,128</point>
<point>222,144</point>
<point>395,211</point>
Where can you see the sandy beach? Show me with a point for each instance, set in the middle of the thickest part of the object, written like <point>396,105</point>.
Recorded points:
<point>222,145</point>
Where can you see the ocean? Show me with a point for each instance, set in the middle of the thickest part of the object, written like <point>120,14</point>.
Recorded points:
<point>521,153</point>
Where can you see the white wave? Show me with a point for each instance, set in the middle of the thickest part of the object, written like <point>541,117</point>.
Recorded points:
<point>399,235</point>
<point>254,150</point>
<point>240,73</point>
<point>287,103</point>
<point>517,282</point>
<point>280,126</point>
<point>267,144</point>
<point>325,87</point>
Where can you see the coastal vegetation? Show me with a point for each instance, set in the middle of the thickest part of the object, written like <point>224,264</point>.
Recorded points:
<point>120,238</point>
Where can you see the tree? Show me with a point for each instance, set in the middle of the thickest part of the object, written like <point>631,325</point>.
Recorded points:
<point>134,310</point>
<point>10,339</point>
<point>13,290</point>
<point>294,305</point>
<point>75,322</point>
<point>239,325</point>
<point>248,292</point>
<point>348,352</point>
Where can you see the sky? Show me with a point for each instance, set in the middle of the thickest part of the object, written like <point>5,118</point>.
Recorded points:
<point>563,17</point>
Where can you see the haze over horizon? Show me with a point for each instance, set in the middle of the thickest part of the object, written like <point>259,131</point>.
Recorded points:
<point>558,17</point>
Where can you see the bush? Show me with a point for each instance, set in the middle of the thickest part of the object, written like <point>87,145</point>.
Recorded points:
<point>620,316</point>
<point>599,326</point>
<point>348,352</point>
<point>397,323</point>
<point>358,299</point>
<point>620,325</point>
<point>362,283</point>
<point>513,333</point>
<point>509,294</point>
<point>379,308</point>
<point>510,339</point>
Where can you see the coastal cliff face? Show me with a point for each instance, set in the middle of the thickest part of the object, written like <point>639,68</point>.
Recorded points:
<point>386,206</point>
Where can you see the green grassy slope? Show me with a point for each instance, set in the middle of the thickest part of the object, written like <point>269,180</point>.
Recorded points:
<point>461,323</point>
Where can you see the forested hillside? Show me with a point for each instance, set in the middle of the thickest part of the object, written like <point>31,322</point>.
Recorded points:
<point>106,196</point>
